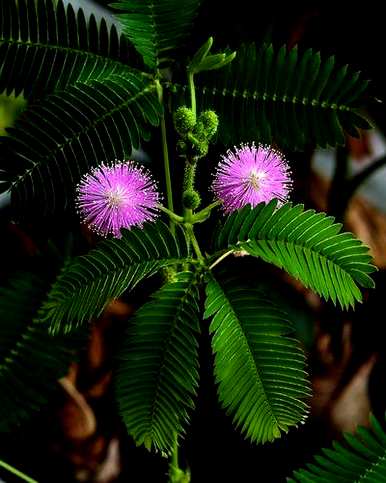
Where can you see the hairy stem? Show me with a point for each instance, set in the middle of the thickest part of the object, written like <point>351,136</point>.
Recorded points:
<point>190,171</point>
<point>190,163</point>
<point>194,242</point>
<point>16,472</point>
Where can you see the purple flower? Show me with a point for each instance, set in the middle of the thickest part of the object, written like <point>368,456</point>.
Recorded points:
<point>251,175</point>
<point>118,196</point>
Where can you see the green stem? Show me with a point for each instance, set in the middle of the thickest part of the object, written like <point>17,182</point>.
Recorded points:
<point>190,171</point>
<point>205,212</point>
<point>190,164</point>
<point>165,153</point>
<point>175,452</point>
<point>175,473</point>
<point>193,240</point>
<point>173,216</point>
<point>16,472</point>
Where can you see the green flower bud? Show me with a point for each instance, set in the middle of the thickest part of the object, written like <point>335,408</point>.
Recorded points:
<point>191,199</point>
<point>184,120</point>
<point>198,140</point>
<point>182,147</point>
<point>209,120</point>
<point>201,149</point>
<point>199,131</point>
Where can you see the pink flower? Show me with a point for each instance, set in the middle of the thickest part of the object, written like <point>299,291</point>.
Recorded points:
<point>118,196</point>
<point>251,175</point>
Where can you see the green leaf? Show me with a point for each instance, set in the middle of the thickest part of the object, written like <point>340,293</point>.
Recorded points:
<point>91,281</point>
<point>360,459</point>
<point>308,245</point>
<point>156,27</point>
<point>31,360</point>
<point>284,97</point>
<point>64,135</point>
<point>45,45</point>
<point>259,366</point>
<point>158,365</point>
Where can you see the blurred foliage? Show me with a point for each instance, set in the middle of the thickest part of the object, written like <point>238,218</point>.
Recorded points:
<point>10,109</point>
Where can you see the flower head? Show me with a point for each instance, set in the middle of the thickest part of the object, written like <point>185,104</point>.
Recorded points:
<point>118,196</point>
<point>251,175</point>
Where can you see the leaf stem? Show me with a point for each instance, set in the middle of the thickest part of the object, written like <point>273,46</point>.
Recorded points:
<point>16,472</point>
<point>203,214</point>
<point>220,259</point>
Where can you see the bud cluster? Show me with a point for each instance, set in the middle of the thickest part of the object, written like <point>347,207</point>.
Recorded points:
<point>195,133</point>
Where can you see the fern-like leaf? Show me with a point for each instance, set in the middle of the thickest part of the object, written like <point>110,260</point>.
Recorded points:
<point>65,134</point>
<point>308,245</point>
<point>259,366</point>
<point>282,96</point>
<point>45,46</point>
<point>156,27</point>
<point>158,368</point>
<point>91,281</point>
<point>361,458</point>
<point>31,360</point>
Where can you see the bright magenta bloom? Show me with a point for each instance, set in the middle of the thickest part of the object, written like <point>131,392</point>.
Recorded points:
<point>118,196</point>
<point>251,175</point>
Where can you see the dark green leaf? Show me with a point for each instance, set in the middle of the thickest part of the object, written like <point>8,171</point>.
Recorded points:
<point>91,281</point>
<point>158,368</point>
<point>156,27</point>
<point>360,459</point>
<point>283,97</point>
<point>45,46</point>
<point>31,360</point>
<point>259,366</point>
<point>308,245</point>
<point>65,134</point>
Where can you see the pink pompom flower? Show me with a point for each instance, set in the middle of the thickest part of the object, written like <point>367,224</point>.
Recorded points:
<point>122,195</point>
<point>251,175</point>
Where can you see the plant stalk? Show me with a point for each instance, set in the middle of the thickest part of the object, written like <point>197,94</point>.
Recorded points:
<point>165,153</point>
<point>16,472</point>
